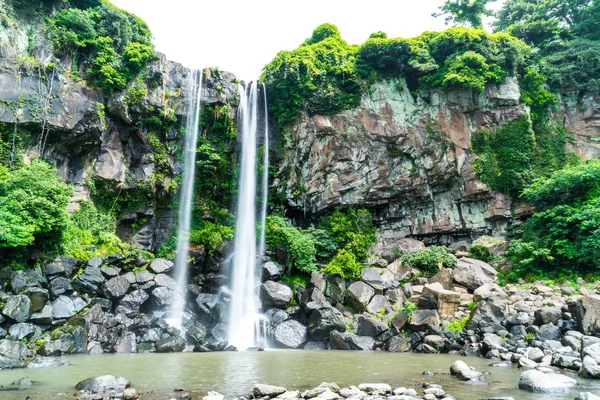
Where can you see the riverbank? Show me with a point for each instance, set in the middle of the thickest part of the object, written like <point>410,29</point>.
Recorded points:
<point>235,373</point>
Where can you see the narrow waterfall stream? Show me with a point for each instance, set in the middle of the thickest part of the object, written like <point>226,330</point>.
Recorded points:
<point>245,323</point>
<point>192,127</point>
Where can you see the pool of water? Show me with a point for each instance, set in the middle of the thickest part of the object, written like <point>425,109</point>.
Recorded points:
<point>234,373</point>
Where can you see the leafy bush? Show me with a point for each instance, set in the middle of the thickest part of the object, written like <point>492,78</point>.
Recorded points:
<point>344,264</point>
<point>300,245</point>
<point>211,235</point>
<point>33,201</point>
<point>562,238</point>
<point>430,259</point>
<point>458,325</point>
<point>481,252</point>
<point>352,230</point>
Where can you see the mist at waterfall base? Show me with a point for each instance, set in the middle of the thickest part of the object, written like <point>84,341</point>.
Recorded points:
<point>192,127</point>
<point>247,327</point>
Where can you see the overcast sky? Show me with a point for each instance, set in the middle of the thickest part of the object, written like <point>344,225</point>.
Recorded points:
<point>242,36</point>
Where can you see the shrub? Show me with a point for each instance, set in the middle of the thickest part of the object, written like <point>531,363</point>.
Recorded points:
<point>430,260</point>
<point>458,325</point>
<point>300,245</point>
<point>344,264</point>
<point>481,252</point>
<point>352,230</point>
<point>211,235</point>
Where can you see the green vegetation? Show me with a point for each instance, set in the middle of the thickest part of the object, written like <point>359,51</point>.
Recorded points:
<point>33,201</point>
<point>300,245</point>
<point>480,252</point>
<point>211,235</point>
<point>464,12</point>
<point>326,75</point>
<point>430,259</point>
<point>561,239</point>
<point>458,325</point>
<point>115,43</point>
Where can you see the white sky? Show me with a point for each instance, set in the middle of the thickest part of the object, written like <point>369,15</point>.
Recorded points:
<point>241,36</point>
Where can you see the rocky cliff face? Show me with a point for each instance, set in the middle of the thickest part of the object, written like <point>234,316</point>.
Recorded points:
<point>409,159</point>
<point>99,141</point>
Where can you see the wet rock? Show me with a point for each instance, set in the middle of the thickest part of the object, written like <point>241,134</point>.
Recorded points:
<point>24,330</point>
<point>206,302</point>
<point>104,384</point>
<point>547,315</point>
<point>130,394</point>
<point>290,334</point>
<point>473,273</point>
<point>587,396</point>
<point>421,320</point>
<point>44,317</point>
<point>126,343</point>
<point>89,280</point>
<point>131,302</point>
<point>12,354</point>
<point>277,294</point>
<point>350,341</point>
<point>173,344</point>
<point>47,362</point>
<point>540,382</point>
<point>314,345</point>
<point>165,281</point>
<point>399,344</point>
<point>325,320</point>
<point>116,287</point>
<point>61,266</point>
<point>369,326</point>
<point>372,277</point>
<point>590,367</point>
<point>588,314</point>
<point>143,277</point>
<point>63,307</point>
<point>548,332</point>
<point>110,272</point>
<point>60,285</point>
<point>359,295</point>
<point>463,372</point>
<point>163,296</point>
<point>161,266</point>
<point>272,271</point>
<point>213,396</point>
<point>566,361</point>
<point>38,296</point>
<point>17,308</point>
<point>375,388</point>
<point>377,304</point>
<point>267,390</point>
<point>335,289</point>
<point>195,333</point>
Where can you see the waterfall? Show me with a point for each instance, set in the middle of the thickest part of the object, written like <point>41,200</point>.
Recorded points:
<point>186,193</point>
<point>246,325</point>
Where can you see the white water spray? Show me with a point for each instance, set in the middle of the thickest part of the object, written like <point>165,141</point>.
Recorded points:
<point>192,127</point>
<point>246,326</point>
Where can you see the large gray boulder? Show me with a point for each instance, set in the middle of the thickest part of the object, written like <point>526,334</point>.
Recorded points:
<point>63,307</point>
<point>590,367</point>
<point>38,296</point>
<point>547,315</point>
<point>588,314</point>
<point>272,271</point>
<point>359,295</point>
<point>260,390</point>
<point>422,320</point>
<point>539,382</point>
<point>277,294</point>
<point>473,273</point>
<point>173,344</point>
<point>18,308</point>
<point>290,334</point>
<point>90,280</point>
<point>131,302</point>
<point>12,354</point>
<point>104,384</point>
<point>116,287</point>
<point>372,277</point>
<point>126,344</point>
<point>350,341</point>
<point>370,326</point>
<point>161,266</point>
<point>325,320</point>
<point>165,281</point>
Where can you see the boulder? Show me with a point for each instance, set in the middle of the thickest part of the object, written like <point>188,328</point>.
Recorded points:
<point>116,287</point>
<point>587,396</point>
<point>44,317</point>
<point>104,384</point>
<point>165,281</point>
<point>161,266</point>
<point>370,326</point>
<point>588,314</point>
<point>172,344</point>
<point>63,307</point>
<point>323,321</point>
<point>131,302</point>
<point>372,277</point>
<point>350,341</point>
<point>335,289</point>
<point>60,285</point>
<point>272,271</point>
<point>547,315</point>
<point>12,354</point>
<point>290,334</point>
<point>463,372</point>
<point>127,343</point>
<point>267,390</point>
<point>359,295</point>
<point>489,312</point>
<point>539,382</point>
<point>444,278</point>
<point>548,332</point>
<point>24,330</point>
<point>61,266</point>
<point>590,367</point>
<point>399,344</point>
<point>89,280</point>
<point>447,300</point>
<point>488,290</point>
<point>163,296</point>
<point>472,273</point>
<point>143,277</point>
<point>422,320</point>
<point>277,294</point>
<point>38,296</point>
<point>379,389</point>
<point>377,304</point>
<point>17,308</point>
<point>207,301</point>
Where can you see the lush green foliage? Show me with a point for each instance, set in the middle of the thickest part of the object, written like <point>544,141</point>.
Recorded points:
<point>116,43</point>
<point>430,259</point>
<point>318,75</point>
<point>481,252</point>
<point>344,264</point>
<point>33,201</point>
<point>458,324</point>
<point>326,75</point>
<point>464,11</point>
<point>300,245</point>
<point>211,235</point>
<point>562,238</point>
<point>573,66</point>
<point>352,229</point>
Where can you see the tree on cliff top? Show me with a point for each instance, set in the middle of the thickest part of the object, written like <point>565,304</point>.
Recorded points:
<point>469,12</point>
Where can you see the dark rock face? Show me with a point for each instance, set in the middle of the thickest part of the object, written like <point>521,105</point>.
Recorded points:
<point>63,307</point>
<point>350,341</point>
<point>90,279</point>
<point>130,303</point>
<point>116,287</point>
<point>359,295</point>
<point>290,334</point>
<point>161,266</point>
<point>18,308</point>
<point>272,271</point>
<point>173,344</point>
<point>38,297</point>
<point>325,320</point>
